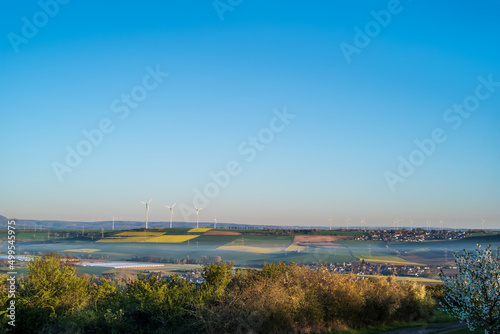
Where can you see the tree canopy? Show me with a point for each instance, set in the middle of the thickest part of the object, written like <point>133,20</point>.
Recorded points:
<point>473,294</point>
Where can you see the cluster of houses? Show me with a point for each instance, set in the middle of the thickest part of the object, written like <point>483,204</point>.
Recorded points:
<point>365,268</point>
<point>416,235</point>
<point>194,276</point>
<point>357,268</point>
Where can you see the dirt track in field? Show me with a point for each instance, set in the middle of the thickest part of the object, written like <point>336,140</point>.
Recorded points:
<point>442,328</point>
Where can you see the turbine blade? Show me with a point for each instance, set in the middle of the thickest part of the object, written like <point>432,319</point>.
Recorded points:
<point>174,204</point>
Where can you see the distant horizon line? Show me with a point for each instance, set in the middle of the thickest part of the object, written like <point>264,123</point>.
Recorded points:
<point>321,227</point>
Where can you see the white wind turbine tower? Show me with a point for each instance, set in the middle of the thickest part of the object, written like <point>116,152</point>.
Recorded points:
<point>171,208</point>
<point>215,221</point>
<point>441,224</point>
<point>347,220</point>
<point>147,209</point>
<point>197,210</point>
<point>411,224</point>
<point>363,222</point>
<point>396,223</point>
<point>482,223</point>
<point>428,224</point>
<point>331,221</point>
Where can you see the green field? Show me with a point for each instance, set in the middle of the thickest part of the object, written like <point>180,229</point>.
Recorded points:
<point>384,259</point>
<point>340,233</point>
<point>259,240</point>
<point>410,279</point>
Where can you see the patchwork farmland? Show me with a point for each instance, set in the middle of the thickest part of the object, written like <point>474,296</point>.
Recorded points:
<point>243,247</point>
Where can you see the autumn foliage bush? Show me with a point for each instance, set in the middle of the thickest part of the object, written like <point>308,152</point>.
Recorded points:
<point>278,298</point>
<point>295,299</point>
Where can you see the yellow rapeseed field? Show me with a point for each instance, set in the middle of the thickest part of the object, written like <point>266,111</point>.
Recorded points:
<point>294,248</point>
<point>199,230</point>
<point>250,249</point>
<point>140,234</point>
<point>125,239</point>
<point>82,250</point>
<point>172,239</point>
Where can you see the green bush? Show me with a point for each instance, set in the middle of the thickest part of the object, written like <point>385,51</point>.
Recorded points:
<point>50,290</point>
<point>436,292</point>
<point>156,304</point>
<point>277,299</point>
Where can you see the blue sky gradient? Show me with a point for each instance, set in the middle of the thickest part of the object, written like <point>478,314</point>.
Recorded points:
<point>226,81</point>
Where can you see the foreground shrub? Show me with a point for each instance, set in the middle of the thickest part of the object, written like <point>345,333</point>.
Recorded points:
<point>294,299</point>
<point>164,305</point>
<point>277,299</point>
<point>50,290</point>
<point>436,292</point>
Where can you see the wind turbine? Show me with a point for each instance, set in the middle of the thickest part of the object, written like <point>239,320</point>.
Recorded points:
<point>347,220</point>
<point>396,223</point>
<point>482,223</point>
<point>428,222</point>
<point>411,224</point>
<point>441,224</point>
<point>197,210</point>
<point>147,210</point>
<point>363,222</point>
<point>215,221</point>
<point>171,208</point>
<point>331,221</point>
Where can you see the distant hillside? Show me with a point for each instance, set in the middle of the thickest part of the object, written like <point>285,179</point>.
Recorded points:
<point>77,225</point>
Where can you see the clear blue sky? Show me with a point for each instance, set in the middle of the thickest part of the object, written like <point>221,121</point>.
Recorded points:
<point>360,101</point>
